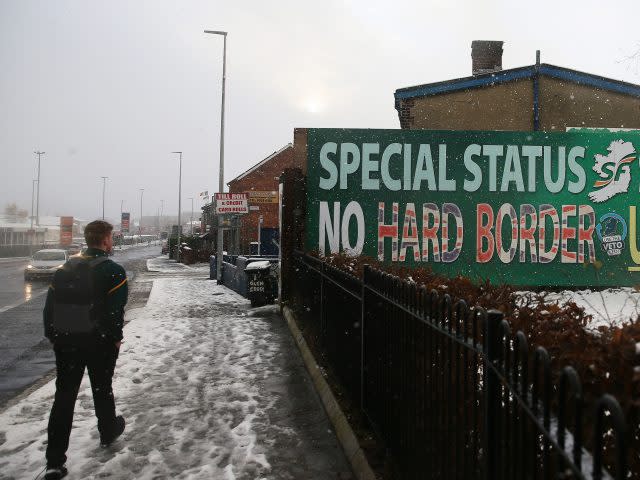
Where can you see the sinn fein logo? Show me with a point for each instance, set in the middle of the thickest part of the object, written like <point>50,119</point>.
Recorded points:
<point>608,166</point>
<point>612,231</point>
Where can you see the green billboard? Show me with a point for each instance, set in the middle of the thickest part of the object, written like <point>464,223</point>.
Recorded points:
<point>525,208</point>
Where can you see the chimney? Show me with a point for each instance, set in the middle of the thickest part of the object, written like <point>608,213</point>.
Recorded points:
<point>486,56</point>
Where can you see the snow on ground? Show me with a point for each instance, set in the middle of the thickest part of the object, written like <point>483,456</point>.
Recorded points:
<point>186,385</point>
<point>613,306</point>
<point>117,248</point>
<point>163,265</point>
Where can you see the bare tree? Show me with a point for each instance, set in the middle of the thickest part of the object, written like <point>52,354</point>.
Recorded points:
<point>633,60</point>
<point>14,213</point>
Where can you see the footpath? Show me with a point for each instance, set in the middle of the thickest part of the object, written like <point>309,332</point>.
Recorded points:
<point>210,389</point>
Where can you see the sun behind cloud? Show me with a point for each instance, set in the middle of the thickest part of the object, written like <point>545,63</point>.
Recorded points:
<point>313,105</point>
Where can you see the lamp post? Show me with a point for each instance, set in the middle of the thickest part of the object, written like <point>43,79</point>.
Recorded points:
<point>221,175</point>
<point>179,205</point>
<point>161,214</point>
<point>140,224</point>
<point>260,219</point>
<point>38,194</point>
<point>104,181</point>
<point>191,220</point>
<point>33,233</point>
<point>33,189</point>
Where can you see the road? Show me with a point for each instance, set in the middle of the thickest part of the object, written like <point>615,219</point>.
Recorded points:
<point>25,355</point>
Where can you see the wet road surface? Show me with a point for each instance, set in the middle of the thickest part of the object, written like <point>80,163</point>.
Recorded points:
<point>25,355</point>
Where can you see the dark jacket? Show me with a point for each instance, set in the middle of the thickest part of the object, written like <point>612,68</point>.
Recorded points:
<point>111,290</point>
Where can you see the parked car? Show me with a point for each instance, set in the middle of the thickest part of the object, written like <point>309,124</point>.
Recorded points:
<point>74,249</point>
<point>44,263</point>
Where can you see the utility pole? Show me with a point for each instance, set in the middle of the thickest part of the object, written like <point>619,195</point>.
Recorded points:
<point>179,205</point>
<point>161,214</point>
<point>221,174</point>
<point>104,181</point>
<point>33,189</point>
<point>33,233</point>
<point>260,219</point>
<point>38,195</point>
<point>140,225</point>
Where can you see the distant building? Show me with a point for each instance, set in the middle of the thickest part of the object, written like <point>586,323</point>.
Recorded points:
<point>19,237</point>
<point>537,97</point>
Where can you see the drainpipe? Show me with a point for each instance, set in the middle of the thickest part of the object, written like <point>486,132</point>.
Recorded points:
<point>536,93</point>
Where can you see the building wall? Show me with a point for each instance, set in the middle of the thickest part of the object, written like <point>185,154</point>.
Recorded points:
<point>264,178</point>
<point>502,107</point>
<point>509,106</point>
<point>566,104</point>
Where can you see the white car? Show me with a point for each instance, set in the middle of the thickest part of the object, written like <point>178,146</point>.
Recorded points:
<point>44,263</point>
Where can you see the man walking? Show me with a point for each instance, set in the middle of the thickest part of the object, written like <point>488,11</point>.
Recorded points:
<point>83,318</point>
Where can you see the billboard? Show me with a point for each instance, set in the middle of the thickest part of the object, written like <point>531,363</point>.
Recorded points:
<point>66,231</point>
<point>525,208</point>
<point>125,218</point>
<point>236,203</point>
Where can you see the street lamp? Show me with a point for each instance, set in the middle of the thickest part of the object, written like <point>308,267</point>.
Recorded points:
<point>179,206</point>
<point>221,175</point>
<point>33,233</point>
<point>191,221</point>
<point>38,194</point>
<point>260,219</point>
<point>104,181</point>
<point>33,189</point>
<point>140,224</point>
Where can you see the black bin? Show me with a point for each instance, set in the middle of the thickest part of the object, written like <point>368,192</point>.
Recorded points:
<point>260,283</point>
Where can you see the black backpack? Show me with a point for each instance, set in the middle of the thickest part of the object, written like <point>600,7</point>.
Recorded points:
<point>74,299</point>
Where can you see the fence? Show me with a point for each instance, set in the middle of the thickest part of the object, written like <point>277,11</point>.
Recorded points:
<point>451,391</point>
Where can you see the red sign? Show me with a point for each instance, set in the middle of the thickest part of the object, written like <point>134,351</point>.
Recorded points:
<point>66,231</point>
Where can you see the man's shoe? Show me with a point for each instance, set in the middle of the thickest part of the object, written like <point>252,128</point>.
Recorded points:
<point>115,432</point>
<point>55,473</point>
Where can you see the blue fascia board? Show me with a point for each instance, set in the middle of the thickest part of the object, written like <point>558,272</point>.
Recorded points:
<point>465,83</point>
<point>590,80</point>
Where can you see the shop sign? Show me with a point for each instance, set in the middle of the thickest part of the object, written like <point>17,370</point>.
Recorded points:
<point>526,208</point>
<point>236,203</point>
<point>256,197</point>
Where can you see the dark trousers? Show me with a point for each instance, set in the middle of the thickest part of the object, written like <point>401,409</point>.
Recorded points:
<point>70,364</point>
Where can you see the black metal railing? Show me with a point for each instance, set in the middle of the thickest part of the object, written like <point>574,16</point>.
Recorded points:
<point>450,389</point>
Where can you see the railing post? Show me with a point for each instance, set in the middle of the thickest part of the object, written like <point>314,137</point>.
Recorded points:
<point>322,326</point>
<point>363,291</point>
<point>491,348</point>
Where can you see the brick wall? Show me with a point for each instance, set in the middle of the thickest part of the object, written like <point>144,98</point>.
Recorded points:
<point>264,178</point>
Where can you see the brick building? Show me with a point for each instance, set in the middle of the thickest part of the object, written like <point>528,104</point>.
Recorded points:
<point>261,182</point>
<point>537,97</point>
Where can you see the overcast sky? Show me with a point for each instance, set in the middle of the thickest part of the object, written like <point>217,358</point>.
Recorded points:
<point>112,87</point>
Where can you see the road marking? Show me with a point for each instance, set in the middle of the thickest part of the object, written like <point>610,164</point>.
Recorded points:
<point>13,259</point>
<point>9,307</point>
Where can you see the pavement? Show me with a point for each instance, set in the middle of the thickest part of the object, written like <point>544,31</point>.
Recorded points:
<point>210,388</point>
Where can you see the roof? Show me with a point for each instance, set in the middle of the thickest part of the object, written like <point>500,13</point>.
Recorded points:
<point>504,76</point>
<point>258,165</point>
